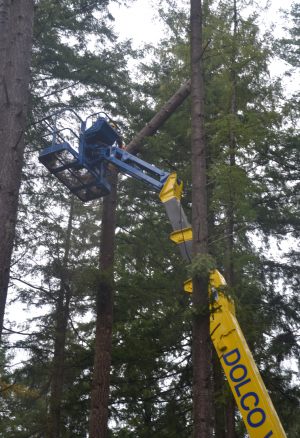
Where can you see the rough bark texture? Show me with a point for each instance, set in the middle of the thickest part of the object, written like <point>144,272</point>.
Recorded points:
<point>229,268</point>
<point>101,379</point>
<point>16,22</point>
<point>219,409</point>
<point>201,346</point>
<point>103,344</point>
<point>230,418</point>
<point>62,317</point>
<point>232,154</point>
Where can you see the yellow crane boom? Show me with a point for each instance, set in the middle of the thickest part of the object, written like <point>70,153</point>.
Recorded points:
<point>248,389</point>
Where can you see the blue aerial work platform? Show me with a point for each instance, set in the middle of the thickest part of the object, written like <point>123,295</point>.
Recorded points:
<point>85,172</point>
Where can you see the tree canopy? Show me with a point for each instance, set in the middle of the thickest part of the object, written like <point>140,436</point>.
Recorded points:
<point>252,143</point>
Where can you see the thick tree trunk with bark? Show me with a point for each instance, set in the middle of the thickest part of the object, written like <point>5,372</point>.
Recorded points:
<point>201,345</point>
<point>229,265</point>
<point>100,387</point>
<point>61,317</point>
<point>16,23</point>
<point>232,153</point>
<point>219,409</point>
<point>101,379</point>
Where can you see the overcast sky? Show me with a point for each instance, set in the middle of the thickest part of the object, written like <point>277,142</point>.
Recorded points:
<point>140,22</point>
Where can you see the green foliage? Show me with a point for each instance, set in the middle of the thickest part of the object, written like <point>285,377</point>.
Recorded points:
<point>257,191</point>
<point>151,364</point>
<point>290,47</point>
<point>201,265</point>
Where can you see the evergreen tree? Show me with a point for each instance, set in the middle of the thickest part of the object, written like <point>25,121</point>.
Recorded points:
<point>63,60</point>
<point>256,126</point>
<point>16,23</point>
<point>290,46</point>
<point>201,347</point>
<point>252,191</point>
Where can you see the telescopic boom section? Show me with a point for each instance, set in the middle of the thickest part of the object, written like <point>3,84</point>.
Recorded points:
<point>249,391</point>
<point>85,172</point>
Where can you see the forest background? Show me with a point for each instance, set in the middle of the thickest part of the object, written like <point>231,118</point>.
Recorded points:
<point>253,162</point>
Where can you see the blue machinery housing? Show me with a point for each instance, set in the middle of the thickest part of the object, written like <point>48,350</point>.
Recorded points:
<point>85,172</point>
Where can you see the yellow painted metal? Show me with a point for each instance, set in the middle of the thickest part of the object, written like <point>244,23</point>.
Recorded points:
<point>246,384</point>
<point>171,189</point>
<point>188,286</point>
<point>181,236</point>
<point>218,284</point>
<point>249,391</point>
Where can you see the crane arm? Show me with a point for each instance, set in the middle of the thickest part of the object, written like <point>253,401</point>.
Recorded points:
<point>248,389</point>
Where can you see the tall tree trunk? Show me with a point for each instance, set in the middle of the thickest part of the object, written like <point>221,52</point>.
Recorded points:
<point>102,361</point>
<point>219,410</point>
<point>103,344</point>
<point>229,268</point>
<point>232,153</point>
<point>61,316</point>
<point>16,23</point>
<point>201,346</point>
